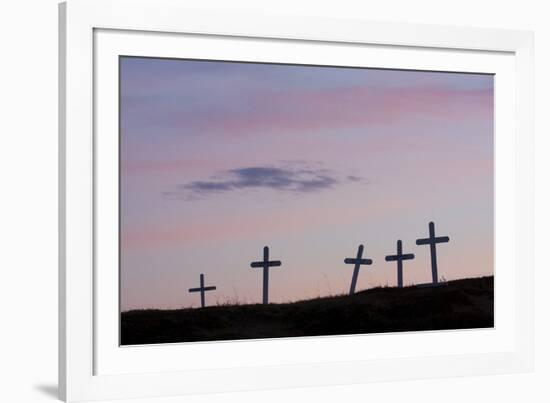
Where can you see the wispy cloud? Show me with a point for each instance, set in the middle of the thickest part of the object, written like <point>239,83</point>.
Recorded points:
<point>292,176</point>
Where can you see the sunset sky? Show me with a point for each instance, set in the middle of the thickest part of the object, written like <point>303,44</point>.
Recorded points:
<point>219,159</point>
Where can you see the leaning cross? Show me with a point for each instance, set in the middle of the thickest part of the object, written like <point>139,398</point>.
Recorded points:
<point>432,241</point>
<point>202,289</point>
<point>358,261</point>
<point>399,258</point>
<point>266,264</point>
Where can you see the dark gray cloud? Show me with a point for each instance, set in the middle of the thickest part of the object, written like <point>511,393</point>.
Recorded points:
<point>291,176</point>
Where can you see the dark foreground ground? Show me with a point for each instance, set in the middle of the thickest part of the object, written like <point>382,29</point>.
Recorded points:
<point>460,304</point>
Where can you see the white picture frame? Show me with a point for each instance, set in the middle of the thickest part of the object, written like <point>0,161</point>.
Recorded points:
<point>92,366</point>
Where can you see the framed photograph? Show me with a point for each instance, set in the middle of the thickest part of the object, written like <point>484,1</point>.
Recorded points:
<point>255,201</point>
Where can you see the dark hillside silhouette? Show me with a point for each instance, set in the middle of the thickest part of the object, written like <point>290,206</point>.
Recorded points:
<point>459,304</point>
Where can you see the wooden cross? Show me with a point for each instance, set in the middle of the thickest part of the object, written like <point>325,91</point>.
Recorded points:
<point>202,289</point>
<point>399,258</point>
<point>432,241</point>
<point>358,261</point>
<point>266,264</point>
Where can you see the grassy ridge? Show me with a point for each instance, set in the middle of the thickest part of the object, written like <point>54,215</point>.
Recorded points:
<point>460,304</point>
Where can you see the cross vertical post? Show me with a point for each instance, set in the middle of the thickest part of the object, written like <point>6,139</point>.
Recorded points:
<point>358,261</point>
<point>202,289</point>
<point>399,257</point>
<point>266,276</point>
<point>433,241</point>
<point>265,264</point>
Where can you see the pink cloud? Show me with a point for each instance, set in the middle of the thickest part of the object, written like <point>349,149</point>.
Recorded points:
<point>352,107</point>
<point>242,226</point>
<point>284,113</point>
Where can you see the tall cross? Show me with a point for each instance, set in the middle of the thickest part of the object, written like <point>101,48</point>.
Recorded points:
<point>399,257</point>
<point>266,264</point>
<point>358,261</point>
<point>432,241</point>
<point>202,289</point>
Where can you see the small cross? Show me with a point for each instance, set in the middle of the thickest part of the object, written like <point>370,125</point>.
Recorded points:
<point>358,261</point>
<point>399,258</point>
<point>432,241</point>
<point>266,264</point>
<point>202,289</point>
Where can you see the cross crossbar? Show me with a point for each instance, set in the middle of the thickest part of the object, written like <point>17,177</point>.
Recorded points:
<point>427,241</point>
<point>273,263</point>
<point>198,289</point>
<point>350,260</point>
<point>393,258</point>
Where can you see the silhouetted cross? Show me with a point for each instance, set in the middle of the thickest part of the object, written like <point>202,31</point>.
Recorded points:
<point>266,264</point>
<point>432,241</point>
<point>202,289</point>
<point>399,258</point>
<point>358,261</point>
